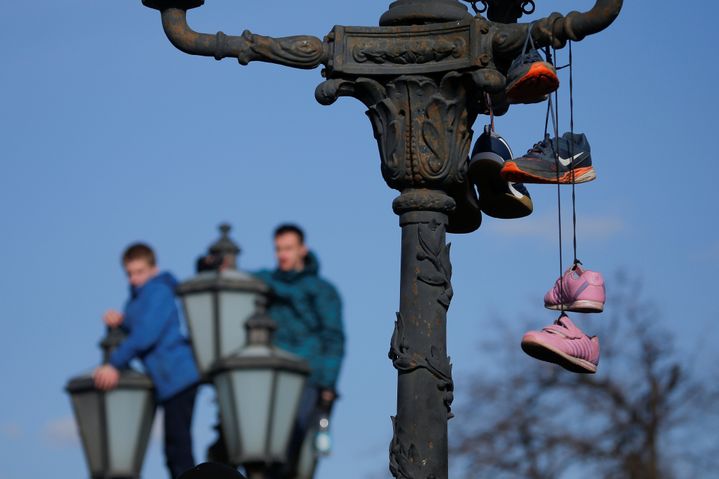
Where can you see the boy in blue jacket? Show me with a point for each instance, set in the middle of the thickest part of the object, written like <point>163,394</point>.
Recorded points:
<point>152,324</point>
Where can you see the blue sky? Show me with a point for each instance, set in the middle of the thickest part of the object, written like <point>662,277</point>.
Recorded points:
<point>109,135</point>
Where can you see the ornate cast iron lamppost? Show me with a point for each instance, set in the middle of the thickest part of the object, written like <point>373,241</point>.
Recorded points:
<point>423,75</point>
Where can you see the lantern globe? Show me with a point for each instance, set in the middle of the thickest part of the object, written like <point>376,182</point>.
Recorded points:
<point>217,304</point>
<point>218,301</point>
<point>259,390</point>
<point>114,425</point>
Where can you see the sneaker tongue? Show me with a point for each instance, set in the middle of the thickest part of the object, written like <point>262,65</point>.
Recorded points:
<point>564,327</point>
<point>564,320</point>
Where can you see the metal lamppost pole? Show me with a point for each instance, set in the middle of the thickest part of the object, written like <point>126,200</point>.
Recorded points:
<point>423,74</point>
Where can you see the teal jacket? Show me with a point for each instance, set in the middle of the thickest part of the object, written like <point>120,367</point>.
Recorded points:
<point>308,313</point>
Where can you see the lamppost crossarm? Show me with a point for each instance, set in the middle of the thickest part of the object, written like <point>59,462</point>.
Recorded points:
<point>303,51</point>
<point>556,29</point>
<point>308,52</point>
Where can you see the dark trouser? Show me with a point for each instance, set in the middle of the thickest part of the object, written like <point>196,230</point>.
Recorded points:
<point>178,436</point>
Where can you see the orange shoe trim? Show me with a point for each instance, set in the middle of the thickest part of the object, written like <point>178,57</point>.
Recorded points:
<point>511,172</point>
<point>539,80</point>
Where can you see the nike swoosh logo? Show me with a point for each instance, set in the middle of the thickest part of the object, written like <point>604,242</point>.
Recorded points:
<point>568,161</point>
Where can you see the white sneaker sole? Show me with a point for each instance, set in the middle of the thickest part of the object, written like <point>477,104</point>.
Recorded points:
<point>581,306</point>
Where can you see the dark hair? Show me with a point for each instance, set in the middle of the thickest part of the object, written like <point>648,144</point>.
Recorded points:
<point>290,228</point>
<point>139,251</point>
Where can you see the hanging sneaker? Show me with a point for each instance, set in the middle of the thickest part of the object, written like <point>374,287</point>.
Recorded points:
<point>497,197</point>
<point>564,344</point>
<point>530,79</point>
<point>467,216</point>
<point>540,164</point>
<point>578,290</point>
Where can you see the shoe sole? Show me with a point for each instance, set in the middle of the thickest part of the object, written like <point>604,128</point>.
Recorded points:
<point>512,172</point>
<point>507,206</point>
<point>581,306</point>
<point>486,175</point>
<point>467,216</point>
<point>551,355</point>
<point>537,83</point>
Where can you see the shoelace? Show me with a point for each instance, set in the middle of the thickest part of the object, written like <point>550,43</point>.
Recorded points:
<point>540,147</point>
<point>537,148</point>
<point>561,329</point>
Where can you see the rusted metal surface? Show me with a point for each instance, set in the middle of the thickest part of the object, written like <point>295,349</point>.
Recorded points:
<point>418,348</point>
<point>422,12</point>
<point>503,11</point>
<point>409,49</point>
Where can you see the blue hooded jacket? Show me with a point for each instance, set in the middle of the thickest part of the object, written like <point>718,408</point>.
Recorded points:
<point>308,313</point>
<point>152,324</point>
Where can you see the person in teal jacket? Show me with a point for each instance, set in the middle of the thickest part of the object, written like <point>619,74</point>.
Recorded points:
<point>152,324</point>
<point>308,313</point>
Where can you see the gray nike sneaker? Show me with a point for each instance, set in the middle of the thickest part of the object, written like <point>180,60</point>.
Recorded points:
<point>570,163</point>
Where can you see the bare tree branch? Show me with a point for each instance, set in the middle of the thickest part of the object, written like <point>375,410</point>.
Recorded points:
<point>644,416</point>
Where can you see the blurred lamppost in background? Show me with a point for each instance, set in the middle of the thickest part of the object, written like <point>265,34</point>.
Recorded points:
<point>258,386</point>
<point>114,425</point>
<point>218,301</point>
<point>259,390</point>
<point>309,456</point>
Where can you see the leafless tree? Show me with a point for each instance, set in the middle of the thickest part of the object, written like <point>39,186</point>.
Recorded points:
<point>647,413</point>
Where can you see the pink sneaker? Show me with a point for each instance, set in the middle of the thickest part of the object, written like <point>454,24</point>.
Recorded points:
<point>578,290</point>
<point>565,344</point>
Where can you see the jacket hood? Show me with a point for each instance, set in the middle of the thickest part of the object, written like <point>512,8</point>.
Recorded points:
<point>165,278</point>
<point>312,264</point>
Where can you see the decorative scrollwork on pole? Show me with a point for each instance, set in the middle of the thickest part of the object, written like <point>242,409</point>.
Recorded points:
<point>403,359</point>
<point>421,127</point>
<point>404,461</point>
<point>298,51</point>
<point>435,267</point>
<point>303,51</point>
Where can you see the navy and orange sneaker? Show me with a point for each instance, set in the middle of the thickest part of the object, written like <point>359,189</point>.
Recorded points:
<point>572,162</point>
<point>497,197</point>
<point>467,215</point>
<point>530,79</point>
